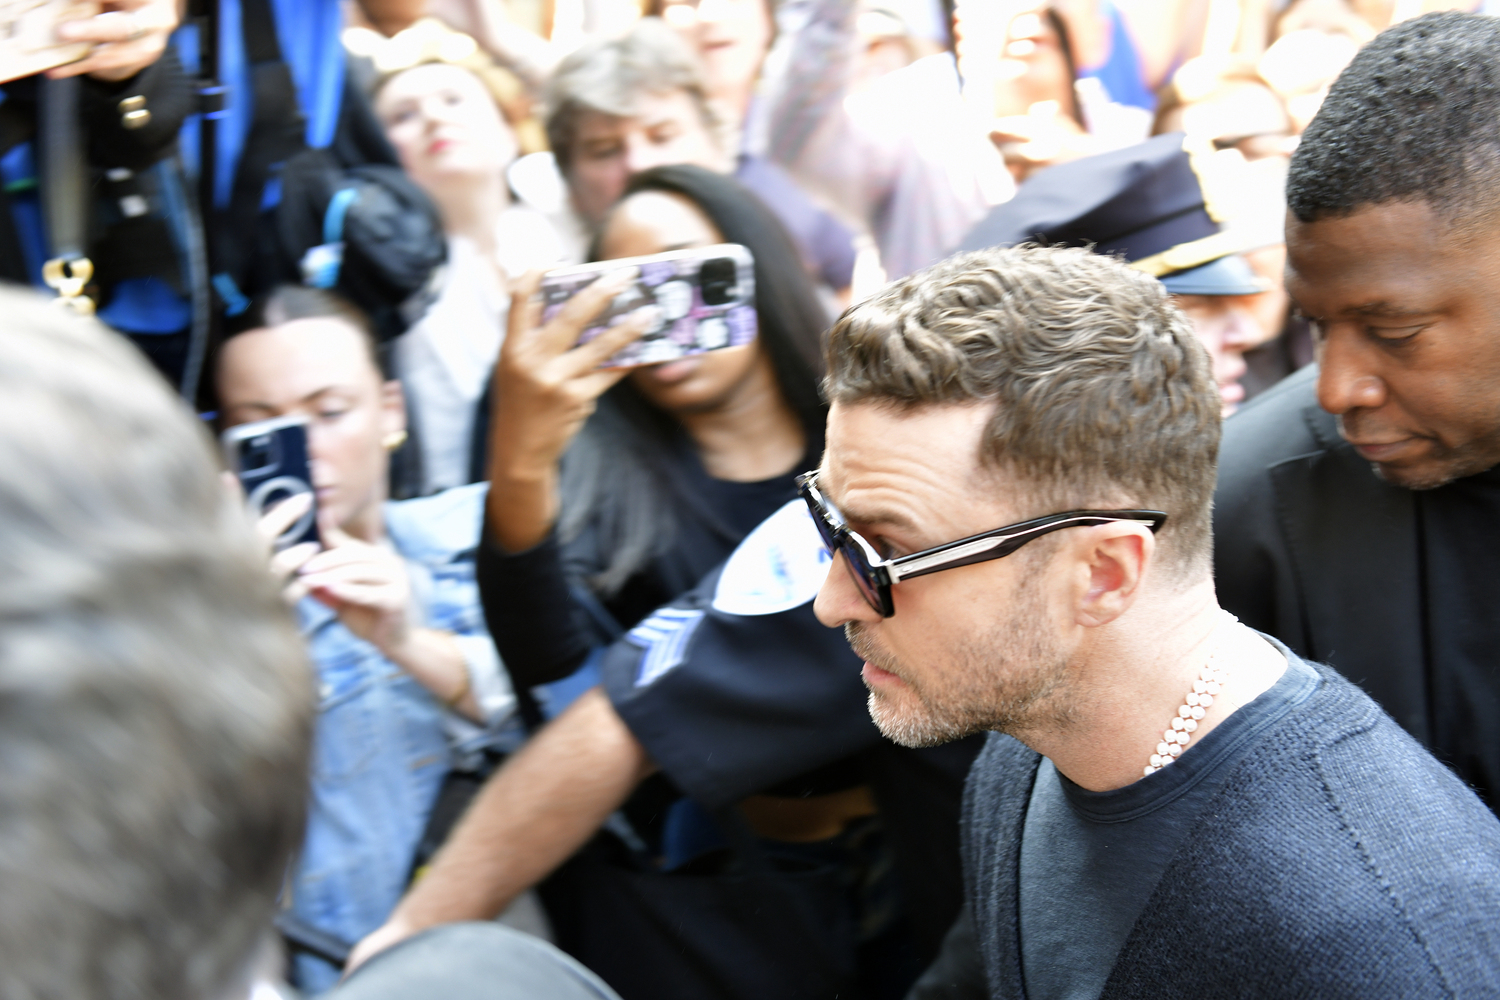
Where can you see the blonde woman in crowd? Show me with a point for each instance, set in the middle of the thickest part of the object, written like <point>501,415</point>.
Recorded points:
<point>456,142</point>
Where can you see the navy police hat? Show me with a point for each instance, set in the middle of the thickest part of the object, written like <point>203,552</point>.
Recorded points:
<point>1145,203</point>
<point>1230,275</point>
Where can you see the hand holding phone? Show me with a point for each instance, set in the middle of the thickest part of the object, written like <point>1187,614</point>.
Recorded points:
<point>704,297</point>
<point>546,385</point>
<point>29,42</point>
<point>270,459</point>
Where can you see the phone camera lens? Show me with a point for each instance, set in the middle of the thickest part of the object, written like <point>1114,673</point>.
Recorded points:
<point>717,279</point>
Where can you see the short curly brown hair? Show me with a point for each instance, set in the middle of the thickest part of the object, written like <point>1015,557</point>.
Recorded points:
<point>1105,397</point>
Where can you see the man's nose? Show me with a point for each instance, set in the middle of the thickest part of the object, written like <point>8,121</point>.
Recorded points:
<point>839,600</point>
<point>715,10</point>
<point>642,155</point>
<point>1242,331</point>
<point>432,110</point>
<point>1346,378</point>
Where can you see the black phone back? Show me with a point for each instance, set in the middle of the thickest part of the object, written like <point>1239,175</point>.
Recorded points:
<point>271,460</point>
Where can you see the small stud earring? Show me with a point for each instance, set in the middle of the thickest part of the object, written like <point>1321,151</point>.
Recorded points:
<point>394,440</point>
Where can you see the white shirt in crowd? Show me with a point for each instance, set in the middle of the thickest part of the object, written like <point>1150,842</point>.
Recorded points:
<point>444,360</point>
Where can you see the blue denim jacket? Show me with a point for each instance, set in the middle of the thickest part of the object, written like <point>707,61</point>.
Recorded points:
<point>383,743</point>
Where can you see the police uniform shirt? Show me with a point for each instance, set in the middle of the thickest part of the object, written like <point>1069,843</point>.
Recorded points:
<point>736,687</point>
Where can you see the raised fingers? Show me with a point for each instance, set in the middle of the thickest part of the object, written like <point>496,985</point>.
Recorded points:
<point>608,344</point>
<point>284,566</point>
<point>126,42</point>
<point>275,522</point>
<point>562,331</point>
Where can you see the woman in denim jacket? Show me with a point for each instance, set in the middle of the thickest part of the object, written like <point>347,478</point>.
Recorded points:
<point>408,681</point>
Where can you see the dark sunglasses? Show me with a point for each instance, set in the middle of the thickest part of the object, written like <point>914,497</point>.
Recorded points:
<point>875,575</point>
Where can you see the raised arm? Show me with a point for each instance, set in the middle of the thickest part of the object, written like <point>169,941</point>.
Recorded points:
<point>533,814</point>
<point>904,160</point>
<point>545,389</point>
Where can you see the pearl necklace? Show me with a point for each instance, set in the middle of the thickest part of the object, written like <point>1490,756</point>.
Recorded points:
<point>1211,680</point>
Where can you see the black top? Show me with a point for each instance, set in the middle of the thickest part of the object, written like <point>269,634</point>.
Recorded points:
<point>1090,860</point>
<point>1459,527</point>
<point>1385,584</point>
<point>537,603</point>
<point>736,688</point>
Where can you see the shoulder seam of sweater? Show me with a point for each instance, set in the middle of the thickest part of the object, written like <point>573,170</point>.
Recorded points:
<point>1357,840</point>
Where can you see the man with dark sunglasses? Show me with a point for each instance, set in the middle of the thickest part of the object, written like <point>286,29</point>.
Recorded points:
<point>1017,490</point>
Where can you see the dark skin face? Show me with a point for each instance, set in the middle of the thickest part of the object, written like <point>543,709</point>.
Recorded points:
<point>1408,328</point>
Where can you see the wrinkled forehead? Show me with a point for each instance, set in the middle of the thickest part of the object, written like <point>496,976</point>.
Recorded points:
<point>1394,255</point>
<point>916,462</point>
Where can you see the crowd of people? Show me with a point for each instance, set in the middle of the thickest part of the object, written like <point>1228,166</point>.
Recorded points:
<point>638,682</point>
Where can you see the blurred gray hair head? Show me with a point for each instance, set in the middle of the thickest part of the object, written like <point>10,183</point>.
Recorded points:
<point>155,699</point>
<point>610,77</point>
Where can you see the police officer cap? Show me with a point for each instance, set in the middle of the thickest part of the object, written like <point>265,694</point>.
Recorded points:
<point>1145,203</point>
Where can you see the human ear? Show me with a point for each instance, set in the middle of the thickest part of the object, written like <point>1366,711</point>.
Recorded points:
<point>392,408</point>
<point>1116,557</point>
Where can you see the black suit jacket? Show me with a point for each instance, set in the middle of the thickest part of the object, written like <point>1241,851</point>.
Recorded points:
<point>1313,548</point>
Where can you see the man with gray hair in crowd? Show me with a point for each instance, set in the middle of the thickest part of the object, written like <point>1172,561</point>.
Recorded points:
<point>623,105</point>
<point>156,708</point>
<point>1017,489</point>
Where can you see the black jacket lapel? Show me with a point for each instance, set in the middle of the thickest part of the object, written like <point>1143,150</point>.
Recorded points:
<point>1352,541</point>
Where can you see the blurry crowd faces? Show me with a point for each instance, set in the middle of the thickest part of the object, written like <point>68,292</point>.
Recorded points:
<point>510,533</point>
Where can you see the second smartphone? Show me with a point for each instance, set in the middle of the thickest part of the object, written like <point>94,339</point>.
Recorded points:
<point>270,458</point>
<point>706,296</point>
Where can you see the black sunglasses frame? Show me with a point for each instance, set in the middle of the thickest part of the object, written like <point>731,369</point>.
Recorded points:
<point>875,575</point>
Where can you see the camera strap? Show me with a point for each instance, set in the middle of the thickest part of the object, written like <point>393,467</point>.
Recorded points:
<point>64,182</point>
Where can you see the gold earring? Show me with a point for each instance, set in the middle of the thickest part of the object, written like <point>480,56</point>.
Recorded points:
<point>394,440</point>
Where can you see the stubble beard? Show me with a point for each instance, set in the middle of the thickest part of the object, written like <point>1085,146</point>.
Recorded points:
<point>1011,679</point>
<point>1442,467</point>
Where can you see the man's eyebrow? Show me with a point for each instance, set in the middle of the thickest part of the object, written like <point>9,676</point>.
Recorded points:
<point>878,517</point>
<point>1386,310</point>
<point>262,407</point>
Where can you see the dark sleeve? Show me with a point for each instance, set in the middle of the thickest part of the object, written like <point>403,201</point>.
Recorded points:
<point>1253,570</point>
<point>162,89</point>
<point>920,795</point>
<point>833,250</point>
<point>729,704</point>
<point>957,974</point>
<point>539,629</point>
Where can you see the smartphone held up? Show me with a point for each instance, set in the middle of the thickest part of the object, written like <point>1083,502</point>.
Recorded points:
<point>270,458</point>
<point>704,296</point>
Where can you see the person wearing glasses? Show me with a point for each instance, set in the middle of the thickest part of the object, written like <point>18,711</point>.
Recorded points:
<point>1017,489</point>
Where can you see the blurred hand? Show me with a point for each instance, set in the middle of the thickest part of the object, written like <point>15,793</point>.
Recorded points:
<point>128,36</point>
<point>367,585</point>
<point>393,931</point>
<point>1332,16</point>
<point>1041,138</point>
<point>468,16</point>
<point>272,525</point>
<point>545,386</point>
<point>521,50</point>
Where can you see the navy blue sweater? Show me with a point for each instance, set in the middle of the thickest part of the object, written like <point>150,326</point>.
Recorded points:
<point>1339,859</point>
